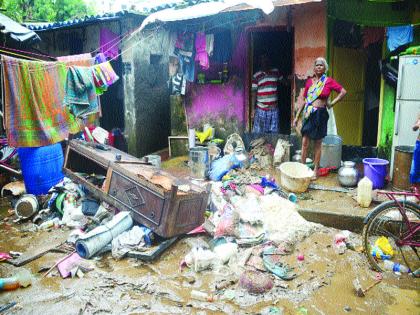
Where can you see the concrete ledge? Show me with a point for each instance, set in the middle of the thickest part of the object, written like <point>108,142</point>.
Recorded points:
<point>338,220</point>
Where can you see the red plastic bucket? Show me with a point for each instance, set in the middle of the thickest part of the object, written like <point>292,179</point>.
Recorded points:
<point>376,170</point>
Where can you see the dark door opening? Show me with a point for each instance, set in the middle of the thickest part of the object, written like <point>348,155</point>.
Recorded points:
<point>112,101</point>
<point>372,94</point>
<point>279,45</point>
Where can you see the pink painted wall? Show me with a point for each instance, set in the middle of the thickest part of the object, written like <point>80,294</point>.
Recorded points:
<point>215,102</point>
<point>221,105</point>
<point>225,105</point>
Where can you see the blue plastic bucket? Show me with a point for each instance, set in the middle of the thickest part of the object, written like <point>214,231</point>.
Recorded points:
<point>375,170</point>
<point>42,167</point>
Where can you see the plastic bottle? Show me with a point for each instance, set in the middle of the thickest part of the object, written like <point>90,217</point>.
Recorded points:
<point>49,224</point>
<point>202,296</point>
<point>21,279</point>
<point>364,192</point>
<point>395,267</point>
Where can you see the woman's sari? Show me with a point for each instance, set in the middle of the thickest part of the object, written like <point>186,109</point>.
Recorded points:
<point>314,92</point>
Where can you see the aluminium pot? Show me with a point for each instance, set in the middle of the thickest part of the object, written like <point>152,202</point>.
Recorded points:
<point>348,174</point>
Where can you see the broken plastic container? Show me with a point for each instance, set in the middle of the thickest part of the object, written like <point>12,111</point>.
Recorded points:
<point>22,279</point>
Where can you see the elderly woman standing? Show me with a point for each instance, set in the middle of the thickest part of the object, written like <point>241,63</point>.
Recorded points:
<point>315,117</point>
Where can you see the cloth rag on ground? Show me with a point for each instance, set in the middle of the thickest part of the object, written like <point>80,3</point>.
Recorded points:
<point>80,95</point>
<point>128,241</point>
<point>33,103</point>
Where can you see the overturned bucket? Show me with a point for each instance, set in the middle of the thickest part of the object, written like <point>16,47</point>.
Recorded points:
<point>26,206</point>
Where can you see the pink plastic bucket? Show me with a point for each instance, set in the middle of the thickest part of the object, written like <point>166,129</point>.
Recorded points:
<point>376,170</point>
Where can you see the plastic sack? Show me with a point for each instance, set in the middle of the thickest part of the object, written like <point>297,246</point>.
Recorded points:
<point>200,259</point>
<point>229,219</point>
<point>224,252</point>
<point>384,245</point>
<point>221,166</point>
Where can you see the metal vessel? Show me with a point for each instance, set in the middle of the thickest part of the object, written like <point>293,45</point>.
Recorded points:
<point>348,174</point>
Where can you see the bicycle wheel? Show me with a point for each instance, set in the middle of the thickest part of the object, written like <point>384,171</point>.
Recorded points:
<point>386,220</point>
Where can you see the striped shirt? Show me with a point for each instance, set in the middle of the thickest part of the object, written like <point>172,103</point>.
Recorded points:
<point>265,84</point>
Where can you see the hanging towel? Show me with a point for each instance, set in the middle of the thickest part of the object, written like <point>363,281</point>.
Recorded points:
<point>80,95</point>
<point>108,73</point>
<point>209,44</point>
<point>99,80</point>
<point>184,45</point>
<point>33,103</point>
<point>82,60</point>
<point>398,36</point>
<point>103,76</point>
<point>99,58</point>
<point>200,50</point>
<point>109,43</point>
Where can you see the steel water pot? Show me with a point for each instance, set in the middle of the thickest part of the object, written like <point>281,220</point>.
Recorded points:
<point>348,174</point>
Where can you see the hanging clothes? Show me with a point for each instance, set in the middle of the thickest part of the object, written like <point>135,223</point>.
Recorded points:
<point>82,60</point>
<point>109,43</point>
<point>178,84</point>
<point>398,36</point>
<point>222,47</point>
<point>184,45</point>
<point>188,69</point>
<point>209,44</point>
<point>33,103</point>
<point>200,50</point>
<point>80,95</point>
<point>372,35</point>
<point>99,58</point>
<point>103,76</point>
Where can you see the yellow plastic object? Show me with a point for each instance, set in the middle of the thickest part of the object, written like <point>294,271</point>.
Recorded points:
<point>384,245</point>
<point>202,136</point>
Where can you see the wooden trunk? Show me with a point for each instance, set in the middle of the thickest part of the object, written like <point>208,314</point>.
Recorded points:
<point>169,206</point>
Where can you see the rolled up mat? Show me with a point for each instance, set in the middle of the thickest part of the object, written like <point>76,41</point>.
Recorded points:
<point>91,243</point>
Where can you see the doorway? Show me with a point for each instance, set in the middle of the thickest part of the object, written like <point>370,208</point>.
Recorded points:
<point>279,44</point>
<point>372,94</point>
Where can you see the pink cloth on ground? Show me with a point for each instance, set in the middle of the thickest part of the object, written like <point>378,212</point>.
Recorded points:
<point>200,50</point>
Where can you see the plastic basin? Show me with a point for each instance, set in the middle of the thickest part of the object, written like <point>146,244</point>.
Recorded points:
<point>295,176</point>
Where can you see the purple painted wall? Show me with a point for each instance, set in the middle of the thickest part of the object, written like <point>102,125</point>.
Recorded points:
<point>221,105</point>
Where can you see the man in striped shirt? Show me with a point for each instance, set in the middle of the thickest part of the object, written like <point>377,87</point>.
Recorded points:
<point>264,97</point>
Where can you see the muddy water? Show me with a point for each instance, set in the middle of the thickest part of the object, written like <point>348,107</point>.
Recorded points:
<point>323,285</point>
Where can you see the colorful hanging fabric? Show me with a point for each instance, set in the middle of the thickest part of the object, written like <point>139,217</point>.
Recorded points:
<point>33,103</point>
<point>82,60</point>
<point>99,58</point>
<point>314,91</point>
<point>80,96</point>
<point>201,53</point>
<point>103,76</point>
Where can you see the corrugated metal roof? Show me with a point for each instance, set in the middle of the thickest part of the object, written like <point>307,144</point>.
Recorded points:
<point>15,30</point>
<point>78,22</point>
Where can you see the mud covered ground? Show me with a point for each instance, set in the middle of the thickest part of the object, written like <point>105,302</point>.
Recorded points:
<point>323,286</point>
